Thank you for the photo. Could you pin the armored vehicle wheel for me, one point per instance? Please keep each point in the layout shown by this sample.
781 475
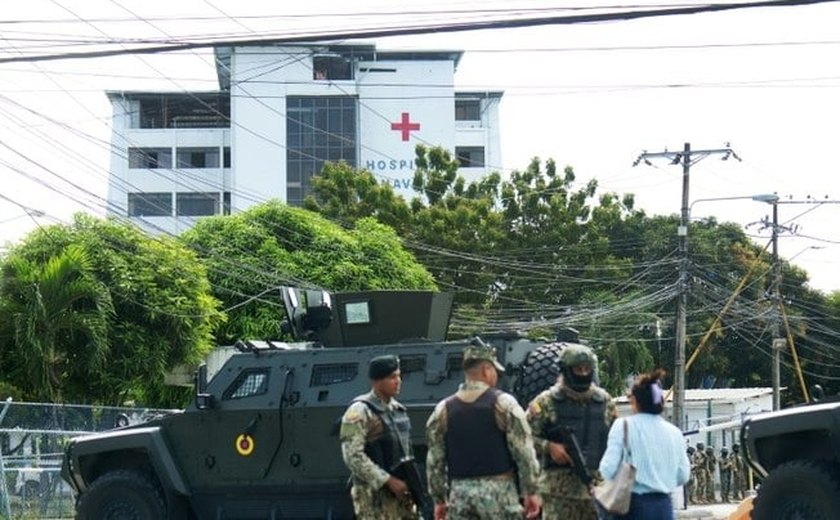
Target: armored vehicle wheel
121 495
539 371
801 489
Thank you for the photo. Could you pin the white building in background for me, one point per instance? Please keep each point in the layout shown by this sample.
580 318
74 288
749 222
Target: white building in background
279 114
713 416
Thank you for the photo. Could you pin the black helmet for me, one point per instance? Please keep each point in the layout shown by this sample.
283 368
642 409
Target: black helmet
574 356
690 450
701 446
736 447
724 451
710 450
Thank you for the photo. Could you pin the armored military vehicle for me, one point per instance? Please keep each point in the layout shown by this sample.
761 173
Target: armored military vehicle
796 452
260 439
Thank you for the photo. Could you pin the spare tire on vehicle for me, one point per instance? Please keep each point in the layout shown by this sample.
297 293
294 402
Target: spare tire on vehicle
538 372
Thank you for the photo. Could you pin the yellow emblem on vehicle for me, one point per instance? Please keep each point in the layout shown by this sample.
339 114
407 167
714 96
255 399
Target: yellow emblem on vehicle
244 444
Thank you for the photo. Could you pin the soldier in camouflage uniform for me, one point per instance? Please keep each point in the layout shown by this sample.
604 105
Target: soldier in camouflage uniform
711 468
740 475
375 435
478 439
727 464
690 498
588 410
698 464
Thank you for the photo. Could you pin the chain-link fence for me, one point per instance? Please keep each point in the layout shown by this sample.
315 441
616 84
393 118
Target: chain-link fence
32 440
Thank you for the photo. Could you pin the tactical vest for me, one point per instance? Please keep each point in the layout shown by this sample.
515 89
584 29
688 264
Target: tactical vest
395 442
586 419
475 446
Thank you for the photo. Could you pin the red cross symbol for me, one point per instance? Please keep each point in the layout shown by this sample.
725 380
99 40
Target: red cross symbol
405 126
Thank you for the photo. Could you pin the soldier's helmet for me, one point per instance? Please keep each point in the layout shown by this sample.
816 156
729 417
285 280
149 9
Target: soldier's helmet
576 356
690 450
710 450
477 349
736 447
701 446
724 451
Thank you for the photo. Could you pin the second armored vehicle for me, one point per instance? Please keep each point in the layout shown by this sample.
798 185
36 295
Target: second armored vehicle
796 452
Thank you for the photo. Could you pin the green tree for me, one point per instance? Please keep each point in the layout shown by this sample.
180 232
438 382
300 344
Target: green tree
57 315
517 251
164 312
538 250
251 254
534 240
346 195
623 354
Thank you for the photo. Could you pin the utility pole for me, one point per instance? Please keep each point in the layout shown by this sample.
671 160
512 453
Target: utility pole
682 303
687 158
779 343
777 301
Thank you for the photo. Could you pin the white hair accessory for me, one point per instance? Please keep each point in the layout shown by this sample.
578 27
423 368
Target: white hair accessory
656 392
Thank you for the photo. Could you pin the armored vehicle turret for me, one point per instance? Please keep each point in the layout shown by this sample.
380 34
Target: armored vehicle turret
260 439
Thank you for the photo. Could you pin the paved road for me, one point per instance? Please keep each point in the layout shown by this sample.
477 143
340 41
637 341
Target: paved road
707 512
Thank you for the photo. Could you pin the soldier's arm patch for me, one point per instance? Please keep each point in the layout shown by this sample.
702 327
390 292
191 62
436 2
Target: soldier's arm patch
352 416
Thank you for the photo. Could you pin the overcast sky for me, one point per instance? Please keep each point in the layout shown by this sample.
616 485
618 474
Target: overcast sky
591 96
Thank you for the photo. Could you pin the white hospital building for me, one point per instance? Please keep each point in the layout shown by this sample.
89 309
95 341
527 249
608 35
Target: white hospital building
280 112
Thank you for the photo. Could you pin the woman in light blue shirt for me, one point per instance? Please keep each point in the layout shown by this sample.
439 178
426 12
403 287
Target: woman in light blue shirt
657 449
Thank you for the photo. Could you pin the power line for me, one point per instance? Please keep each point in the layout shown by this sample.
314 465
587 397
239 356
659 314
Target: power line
403 30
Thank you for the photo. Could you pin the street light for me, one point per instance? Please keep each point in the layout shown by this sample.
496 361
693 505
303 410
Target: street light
770 198
805 249
680 333
778 342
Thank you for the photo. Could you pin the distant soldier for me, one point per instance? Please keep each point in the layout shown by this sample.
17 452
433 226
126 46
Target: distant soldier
741 474
375 435
698 464
711 469
587 410
689 486
479 444
727 465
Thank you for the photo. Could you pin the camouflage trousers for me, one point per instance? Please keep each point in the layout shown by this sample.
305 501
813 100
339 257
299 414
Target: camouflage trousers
700 485
742 484
710 487
565 497
484 498
380 504
726 491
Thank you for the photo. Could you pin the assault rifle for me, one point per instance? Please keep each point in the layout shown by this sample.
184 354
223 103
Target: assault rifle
407 470
566 436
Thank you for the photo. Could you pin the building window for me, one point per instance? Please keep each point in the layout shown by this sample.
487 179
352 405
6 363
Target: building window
150 204
226 203
211 110
467 110
149 158
318 129
191 204
331 67
226 157
198 157
470 156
